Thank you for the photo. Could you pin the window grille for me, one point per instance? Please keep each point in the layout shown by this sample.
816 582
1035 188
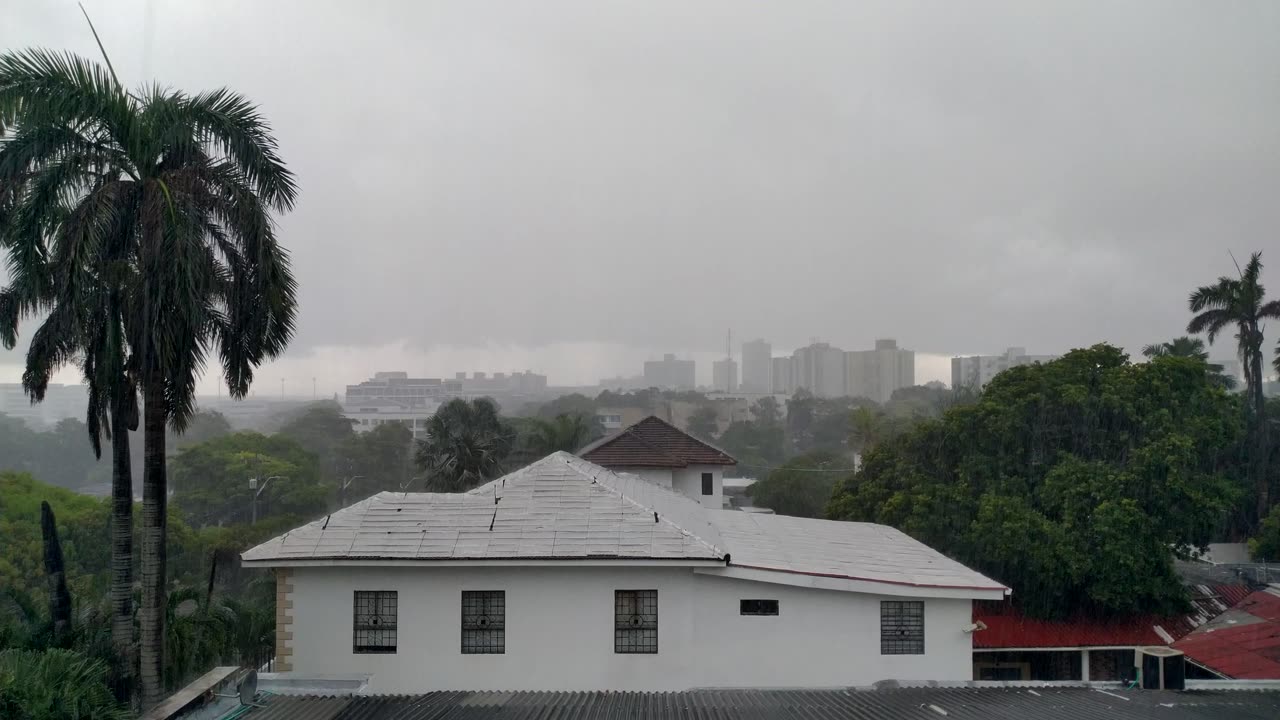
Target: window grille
484 622
635 621
708 484
374 625
901 627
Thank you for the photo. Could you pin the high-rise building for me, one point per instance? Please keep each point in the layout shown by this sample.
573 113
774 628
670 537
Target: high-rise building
757 366
976 371
670 373
724 375
875 374
780 380
818 368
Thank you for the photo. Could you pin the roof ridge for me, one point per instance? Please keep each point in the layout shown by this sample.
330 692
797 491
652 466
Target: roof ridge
660 516
691 436
630 432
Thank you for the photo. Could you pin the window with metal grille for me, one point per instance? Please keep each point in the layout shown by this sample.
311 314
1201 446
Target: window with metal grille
484 622
374 626
708 484
635 621
758 607
901 627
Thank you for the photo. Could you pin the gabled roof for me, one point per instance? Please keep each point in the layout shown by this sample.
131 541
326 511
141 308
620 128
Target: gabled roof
565 508
1244 642
1008 627
653 442
845 550
557 508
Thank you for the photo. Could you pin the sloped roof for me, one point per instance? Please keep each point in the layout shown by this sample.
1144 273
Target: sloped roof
1243 643
849 550
563 507
553 509
653 442
1008 627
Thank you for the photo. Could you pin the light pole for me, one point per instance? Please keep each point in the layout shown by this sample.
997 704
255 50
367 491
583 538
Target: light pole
342 489
253 485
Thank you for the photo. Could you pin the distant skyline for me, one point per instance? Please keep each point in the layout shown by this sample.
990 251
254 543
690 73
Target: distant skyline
574 187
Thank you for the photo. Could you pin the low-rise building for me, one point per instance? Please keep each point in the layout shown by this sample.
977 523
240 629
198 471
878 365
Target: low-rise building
664 455
568 576
670 373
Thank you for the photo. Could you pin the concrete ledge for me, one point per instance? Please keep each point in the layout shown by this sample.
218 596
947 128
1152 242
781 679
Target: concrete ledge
197 694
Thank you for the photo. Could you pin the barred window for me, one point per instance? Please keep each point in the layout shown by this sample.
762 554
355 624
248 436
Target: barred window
484 622
374 626
708 484
635 621
758 607
901 627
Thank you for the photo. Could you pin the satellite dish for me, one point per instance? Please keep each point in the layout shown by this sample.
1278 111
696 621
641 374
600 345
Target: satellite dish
249 688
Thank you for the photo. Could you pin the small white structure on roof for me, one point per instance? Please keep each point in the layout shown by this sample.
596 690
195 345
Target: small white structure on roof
568 576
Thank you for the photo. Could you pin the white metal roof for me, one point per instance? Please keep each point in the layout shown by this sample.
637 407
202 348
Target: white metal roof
560 507
827 548
565 508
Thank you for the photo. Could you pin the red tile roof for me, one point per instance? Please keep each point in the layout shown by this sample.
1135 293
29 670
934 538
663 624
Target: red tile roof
1008 627
653 442
1246 651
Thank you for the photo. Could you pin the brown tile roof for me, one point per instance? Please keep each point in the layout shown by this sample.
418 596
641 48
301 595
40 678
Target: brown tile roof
653 442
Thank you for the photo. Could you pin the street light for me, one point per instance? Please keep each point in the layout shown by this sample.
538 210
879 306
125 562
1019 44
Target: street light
253 485
342 489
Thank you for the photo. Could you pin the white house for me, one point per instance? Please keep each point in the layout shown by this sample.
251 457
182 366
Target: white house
664 455
567 576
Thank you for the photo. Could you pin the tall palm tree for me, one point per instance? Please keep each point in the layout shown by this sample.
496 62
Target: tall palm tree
1194 348
179 189
1241 302
466 444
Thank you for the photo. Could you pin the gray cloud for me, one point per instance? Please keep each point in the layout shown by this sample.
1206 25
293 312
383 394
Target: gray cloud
963 176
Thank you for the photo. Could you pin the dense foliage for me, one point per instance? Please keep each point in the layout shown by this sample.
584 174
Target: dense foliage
211 480
55 685
467 443
1070 481
801 487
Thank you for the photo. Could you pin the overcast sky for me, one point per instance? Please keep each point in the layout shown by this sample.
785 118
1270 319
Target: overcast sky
572 187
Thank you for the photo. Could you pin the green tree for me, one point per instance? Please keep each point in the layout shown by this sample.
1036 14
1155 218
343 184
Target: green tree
55 568
703 423
1265 547
1241 303
381 459
1075 482
565 433
802 487
322 430
571 404
467 443
211 480
55 685
756 445
204 425
1189 347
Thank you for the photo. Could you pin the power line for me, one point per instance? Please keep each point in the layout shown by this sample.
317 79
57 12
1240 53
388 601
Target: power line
795 469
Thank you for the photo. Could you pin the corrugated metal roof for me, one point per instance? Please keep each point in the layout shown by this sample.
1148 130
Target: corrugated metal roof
1244 643
1008 627
653 442
560 507
858 551
1048 703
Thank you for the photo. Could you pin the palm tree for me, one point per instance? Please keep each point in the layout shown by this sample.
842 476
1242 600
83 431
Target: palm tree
1241 302
176 191
1194 348
564 433
466 444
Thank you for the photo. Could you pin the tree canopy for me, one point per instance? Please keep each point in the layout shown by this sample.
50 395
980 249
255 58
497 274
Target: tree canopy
801 487
1074 482
467 443
211 480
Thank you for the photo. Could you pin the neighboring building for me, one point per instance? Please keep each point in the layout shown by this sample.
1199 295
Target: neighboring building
660 453
1242 643
781 380
977 370
818 368
501 384
398 387
613 419
757 367
60 403
368 414
670 373
724 375
1011 646
621 383
875 374
567 576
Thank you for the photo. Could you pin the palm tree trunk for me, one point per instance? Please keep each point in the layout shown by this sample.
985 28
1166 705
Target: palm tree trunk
1261 480
55 569
122 550
154 490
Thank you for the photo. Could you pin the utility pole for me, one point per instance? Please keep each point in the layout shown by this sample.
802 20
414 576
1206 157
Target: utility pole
253 485
281 388
313 388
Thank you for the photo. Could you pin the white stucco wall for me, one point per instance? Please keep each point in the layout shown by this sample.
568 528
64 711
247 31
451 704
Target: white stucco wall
560 632
688 481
